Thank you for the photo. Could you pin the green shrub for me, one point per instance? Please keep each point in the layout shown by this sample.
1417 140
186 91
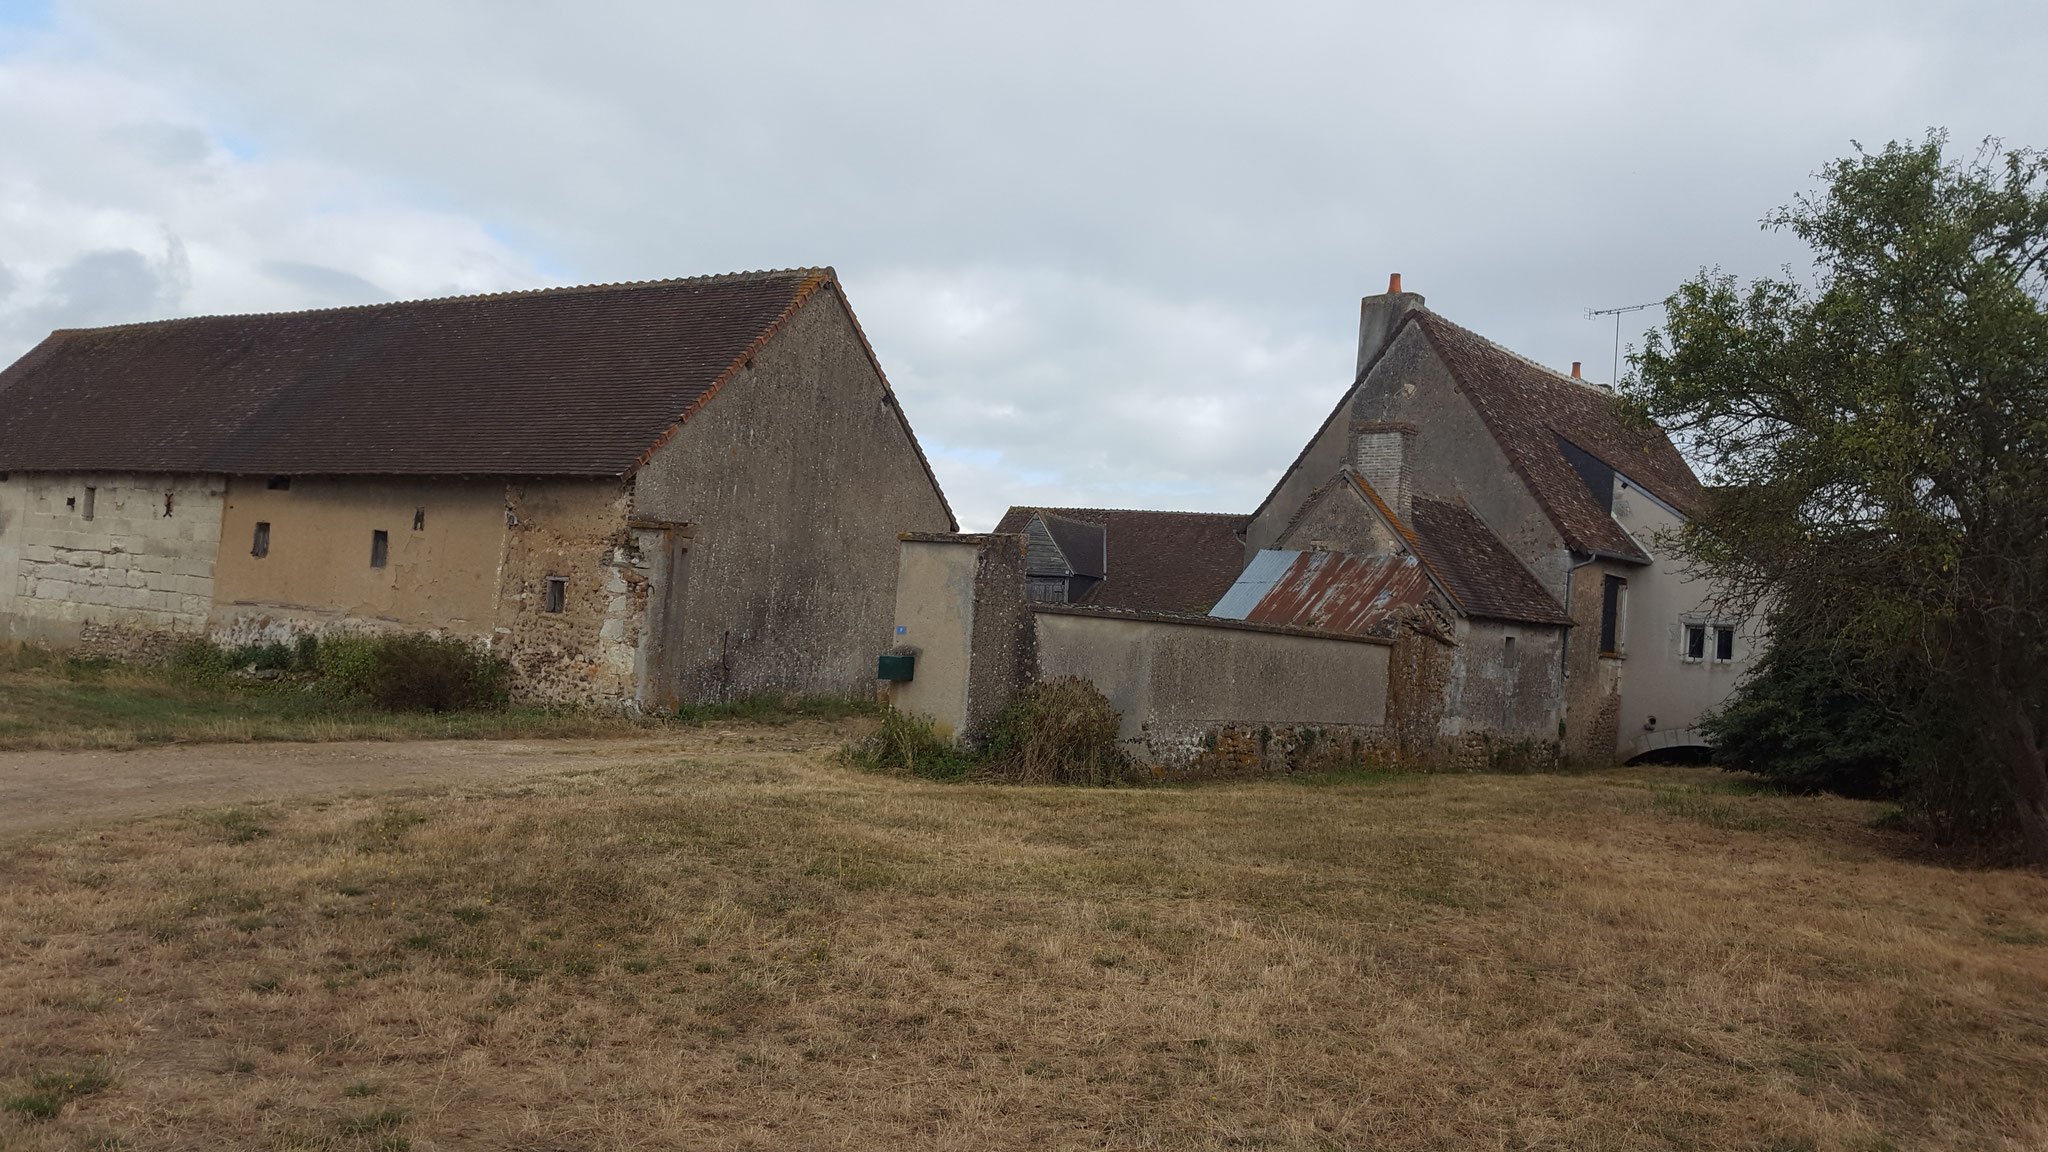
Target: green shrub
412 673
905 743
1797 721
1057 732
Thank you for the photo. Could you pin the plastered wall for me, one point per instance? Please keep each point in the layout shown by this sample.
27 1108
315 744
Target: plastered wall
796 481
142 568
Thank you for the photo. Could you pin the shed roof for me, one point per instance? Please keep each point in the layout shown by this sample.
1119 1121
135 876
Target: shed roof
1328 591
1156 561
583 381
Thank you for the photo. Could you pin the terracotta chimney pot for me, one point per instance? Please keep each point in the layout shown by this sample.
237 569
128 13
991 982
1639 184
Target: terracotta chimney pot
1394 284
1575 371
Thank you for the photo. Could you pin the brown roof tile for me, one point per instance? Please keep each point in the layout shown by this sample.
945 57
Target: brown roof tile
571 381
1485 578
1157 561
1528 407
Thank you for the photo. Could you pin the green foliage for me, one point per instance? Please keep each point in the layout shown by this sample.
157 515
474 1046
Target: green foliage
1058 732
1799 722
1878 438
412 673
905 743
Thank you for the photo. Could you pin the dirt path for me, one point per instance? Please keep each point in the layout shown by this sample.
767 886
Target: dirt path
50 789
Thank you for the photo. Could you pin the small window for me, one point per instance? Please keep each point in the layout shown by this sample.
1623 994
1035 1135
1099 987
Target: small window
558 593
1613 590
260 547
419 518
1507 650
1695 641
380 548
168 497
280 483
90 494
1724 642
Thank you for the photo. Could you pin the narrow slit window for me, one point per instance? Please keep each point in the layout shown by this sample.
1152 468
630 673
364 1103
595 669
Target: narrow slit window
90 495
1507 649
260 546
557 594
1612 590
419 518
1724 643
168 497
280 483
380 548
1695 641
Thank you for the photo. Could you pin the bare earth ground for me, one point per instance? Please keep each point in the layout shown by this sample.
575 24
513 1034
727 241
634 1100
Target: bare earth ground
743 944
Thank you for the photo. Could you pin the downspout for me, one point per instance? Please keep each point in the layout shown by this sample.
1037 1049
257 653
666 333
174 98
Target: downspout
1564 666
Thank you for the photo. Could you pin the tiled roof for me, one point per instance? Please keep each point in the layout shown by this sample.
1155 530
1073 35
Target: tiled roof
557 382
1485 578
1157 561
1083 543
1528 407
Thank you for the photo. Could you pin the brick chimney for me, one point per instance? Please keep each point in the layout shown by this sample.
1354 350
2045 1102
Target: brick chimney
1377 316
1382 453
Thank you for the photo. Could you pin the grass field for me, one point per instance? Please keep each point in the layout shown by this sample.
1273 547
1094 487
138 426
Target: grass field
49 702
760 948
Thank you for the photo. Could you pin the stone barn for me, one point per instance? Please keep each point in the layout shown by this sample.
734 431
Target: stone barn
638 494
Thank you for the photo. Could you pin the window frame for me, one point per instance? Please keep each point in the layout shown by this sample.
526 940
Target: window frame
555 595
1613 614
1691 652
1724 637
380 548
259 542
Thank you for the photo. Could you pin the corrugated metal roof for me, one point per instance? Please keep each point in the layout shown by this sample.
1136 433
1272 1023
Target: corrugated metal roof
571 382
1326 591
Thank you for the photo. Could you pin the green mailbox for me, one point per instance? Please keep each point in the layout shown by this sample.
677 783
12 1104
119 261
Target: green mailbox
898 666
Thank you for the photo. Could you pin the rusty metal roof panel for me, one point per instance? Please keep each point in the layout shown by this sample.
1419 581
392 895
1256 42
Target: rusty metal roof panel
1331 591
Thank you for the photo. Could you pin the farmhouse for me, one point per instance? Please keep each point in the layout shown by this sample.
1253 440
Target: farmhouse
639 494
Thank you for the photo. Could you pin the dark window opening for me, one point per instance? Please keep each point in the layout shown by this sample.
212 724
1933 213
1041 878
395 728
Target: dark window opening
168 496
558 593
380 548
71 501
90 494
1047 589
260 547
1724 643
1611 591
1507 650
419 518
1695 641
280 483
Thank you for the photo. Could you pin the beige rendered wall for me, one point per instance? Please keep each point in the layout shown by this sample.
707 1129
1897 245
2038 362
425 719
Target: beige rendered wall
136 566
935 615
1176 682
1663 694
795 481
317 573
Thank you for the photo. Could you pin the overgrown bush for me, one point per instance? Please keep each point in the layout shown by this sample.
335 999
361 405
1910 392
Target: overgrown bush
1799 723
412 673
905 743
1057 732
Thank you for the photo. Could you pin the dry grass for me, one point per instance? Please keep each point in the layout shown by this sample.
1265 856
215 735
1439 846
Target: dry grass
763 949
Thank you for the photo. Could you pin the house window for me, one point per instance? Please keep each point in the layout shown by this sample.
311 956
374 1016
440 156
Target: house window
280 483
558 593
1695 641
167 504
1507 651
90 493
1724 642
1613 594
380 548
260 546
419 518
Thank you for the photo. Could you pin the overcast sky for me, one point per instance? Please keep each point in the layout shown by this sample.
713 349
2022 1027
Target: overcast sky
1109 254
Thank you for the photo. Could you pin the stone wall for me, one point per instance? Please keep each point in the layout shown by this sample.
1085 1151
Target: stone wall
100 556
575 532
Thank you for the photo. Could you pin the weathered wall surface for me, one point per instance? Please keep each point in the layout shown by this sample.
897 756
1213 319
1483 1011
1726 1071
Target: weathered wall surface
1338 519
1181 684
1592 689
1664 694
575 531
797 479
935 605
136 575
317 574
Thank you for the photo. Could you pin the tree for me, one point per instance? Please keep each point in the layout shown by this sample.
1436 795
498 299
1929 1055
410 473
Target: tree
1877 434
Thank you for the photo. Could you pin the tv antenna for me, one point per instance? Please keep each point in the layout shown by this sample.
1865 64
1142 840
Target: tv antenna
1617 313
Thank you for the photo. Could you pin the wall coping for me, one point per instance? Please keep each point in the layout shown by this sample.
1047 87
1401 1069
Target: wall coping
978 539
1192 621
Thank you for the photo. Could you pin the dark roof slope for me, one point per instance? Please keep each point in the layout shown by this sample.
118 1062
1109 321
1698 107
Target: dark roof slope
1084 544
1529 407
1483 575
1157 561
558 382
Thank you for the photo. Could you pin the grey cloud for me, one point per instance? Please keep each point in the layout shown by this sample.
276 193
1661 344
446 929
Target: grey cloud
109 287
323 287
167 145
